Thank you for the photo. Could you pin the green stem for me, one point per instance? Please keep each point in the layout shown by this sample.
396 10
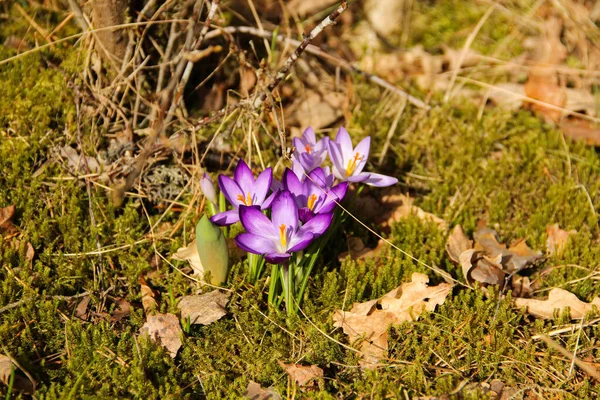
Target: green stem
273 285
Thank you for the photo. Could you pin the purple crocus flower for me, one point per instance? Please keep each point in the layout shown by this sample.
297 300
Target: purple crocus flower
348 162
244 190
310 153
316 195
278 237
208 188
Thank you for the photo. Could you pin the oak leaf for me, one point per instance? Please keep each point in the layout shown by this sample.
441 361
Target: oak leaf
558 299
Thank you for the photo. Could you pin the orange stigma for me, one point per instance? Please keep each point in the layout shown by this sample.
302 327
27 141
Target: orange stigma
282 236
308 148
353 163
311 201
245 201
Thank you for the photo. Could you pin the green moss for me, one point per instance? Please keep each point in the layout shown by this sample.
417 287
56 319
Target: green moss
509 169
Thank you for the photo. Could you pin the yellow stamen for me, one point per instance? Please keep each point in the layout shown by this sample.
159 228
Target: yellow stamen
245 201
308 148
353 163
311 201
282 236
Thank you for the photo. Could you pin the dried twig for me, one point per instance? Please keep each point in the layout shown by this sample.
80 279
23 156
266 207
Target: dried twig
312 49
285 69
587 368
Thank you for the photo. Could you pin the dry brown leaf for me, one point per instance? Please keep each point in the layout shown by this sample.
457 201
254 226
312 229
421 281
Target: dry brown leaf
457 243
204 309
30 253
557 239
580 129
6 215
358 251
77 163
122 310
148 302
81 311
477 267
371 320
303 375
256 392
558 299
316 110
542 83
164 329
516 258
401 206
190 254
20 383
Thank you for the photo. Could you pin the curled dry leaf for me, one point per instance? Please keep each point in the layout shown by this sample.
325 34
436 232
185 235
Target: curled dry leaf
516 258
358 251
558 299
81 311
76 162
399 206
148 302
478 268
303 375
190 254
370 320
6 216
164 329
457 243
20 383
557 239
256 392
204 309
122 310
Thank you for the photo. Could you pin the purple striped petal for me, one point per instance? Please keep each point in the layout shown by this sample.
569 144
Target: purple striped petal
285 212
226 218
380 180
299 146
345 143
293 185
243 176
277 258
305 215
254 243
309 135
301 241
317 225
255 222
269 200
262 185
362 149
335 153
231 190
363 176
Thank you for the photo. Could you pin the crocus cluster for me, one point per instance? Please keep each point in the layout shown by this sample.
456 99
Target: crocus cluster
281 218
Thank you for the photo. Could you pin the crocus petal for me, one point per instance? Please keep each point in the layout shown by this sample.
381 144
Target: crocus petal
262 185
226 218
285 212
298 169
256 223
335 153
343 139
292 183
277 258
317 225
301 241
340 190
269 200
318 178
243 176
254 243
299 146
305 214
380 180
208 188
309 161
363 176
309 135
362 149
276 185
231 190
